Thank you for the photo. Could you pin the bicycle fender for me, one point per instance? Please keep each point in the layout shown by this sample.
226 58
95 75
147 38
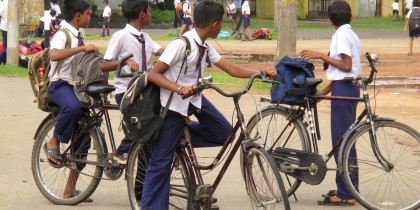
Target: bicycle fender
350 134
48 117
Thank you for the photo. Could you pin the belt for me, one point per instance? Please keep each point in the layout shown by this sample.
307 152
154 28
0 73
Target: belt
343 81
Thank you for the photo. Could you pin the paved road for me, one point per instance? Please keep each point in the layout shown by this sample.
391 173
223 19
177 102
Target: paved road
20 118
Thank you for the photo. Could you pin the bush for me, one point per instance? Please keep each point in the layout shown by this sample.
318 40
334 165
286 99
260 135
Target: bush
165 16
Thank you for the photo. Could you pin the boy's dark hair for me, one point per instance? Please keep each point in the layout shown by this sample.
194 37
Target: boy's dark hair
339 12
52 13
105 1
415 3
54 1
72 7
132 8
206 12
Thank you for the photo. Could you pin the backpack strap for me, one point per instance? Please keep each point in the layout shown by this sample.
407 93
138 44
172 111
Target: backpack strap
184 61
66 46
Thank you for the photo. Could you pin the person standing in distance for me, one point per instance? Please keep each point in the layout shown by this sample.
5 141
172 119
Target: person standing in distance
107 18
246 20
3 27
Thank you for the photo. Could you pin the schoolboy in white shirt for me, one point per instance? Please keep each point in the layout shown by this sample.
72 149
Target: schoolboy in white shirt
212 128
231 10
344 61
186 19
77 13
246 20
124 42
106 18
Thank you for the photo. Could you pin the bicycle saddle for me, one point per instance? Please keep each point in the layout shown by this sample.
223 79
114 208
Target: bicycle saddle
309 82
96 88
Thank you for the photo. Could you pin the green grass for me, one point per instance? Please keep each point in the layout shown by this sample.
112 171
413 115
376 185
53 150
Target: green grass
11 71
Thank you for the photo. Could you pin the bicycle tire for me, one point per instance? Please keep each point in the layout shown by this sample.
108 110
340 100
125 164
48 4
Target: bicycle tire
397 188
181 182
268 125
264 183
51 181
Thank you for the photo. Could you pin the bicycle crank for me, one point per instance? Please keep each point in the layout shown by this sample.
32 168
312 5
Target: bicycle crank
306 166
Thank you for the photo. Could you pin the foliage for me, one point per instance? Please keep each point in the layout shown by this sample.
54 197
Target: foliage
165 16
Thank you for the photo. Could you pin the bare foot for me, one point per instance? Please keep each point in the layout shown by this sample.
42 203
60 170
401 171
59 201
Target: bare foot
336 199
410 54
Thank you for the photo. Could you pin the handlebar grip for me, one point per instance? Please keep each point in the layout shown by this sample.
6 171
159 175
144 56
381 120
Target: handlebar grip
120 65
369 58
195 91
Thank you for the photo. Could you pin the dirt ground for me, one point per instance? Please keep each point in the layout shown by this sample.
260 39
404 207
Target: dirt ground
393 61
19 119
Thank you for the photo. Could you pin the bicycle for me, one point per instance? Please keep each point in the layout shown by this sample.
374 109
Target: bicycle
88 157
387 151
187 188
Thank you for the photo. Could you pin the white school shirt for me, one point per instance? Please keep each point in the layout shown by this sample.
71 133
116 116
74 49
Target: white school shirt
173 56
59 42
107 12
3 14
245 8
122 43
186 6
176 2
232 8
408 4
395 6
345 41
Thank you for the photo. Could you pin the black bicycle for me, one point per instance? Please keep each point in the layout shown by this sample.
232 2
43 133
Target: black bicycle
388 152
85 160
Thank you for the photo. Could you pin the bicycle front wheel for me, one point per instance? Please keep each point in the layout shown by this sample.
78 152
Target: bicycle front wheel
263 180
367 174
78 178
181 183
273 128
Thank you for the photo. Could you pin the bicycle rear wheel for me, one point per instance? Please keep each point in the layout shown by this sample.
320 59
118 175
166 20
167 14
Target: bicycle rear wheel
274 130
397 187
52 181
263 180
181 183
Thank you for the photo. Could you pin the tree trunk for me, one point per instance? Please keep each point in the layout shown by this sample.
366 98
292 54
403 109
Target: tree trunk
12 34
286 14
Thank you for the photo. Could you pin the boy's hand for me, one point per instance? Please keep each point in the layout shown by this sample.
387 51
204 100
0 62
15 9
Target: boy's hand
90 48
186 90
134 67
271 73
309 54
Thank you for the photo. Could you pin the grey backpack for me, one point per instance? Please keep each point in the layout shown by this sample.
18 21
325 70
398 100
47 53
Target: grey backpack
414 20
86 70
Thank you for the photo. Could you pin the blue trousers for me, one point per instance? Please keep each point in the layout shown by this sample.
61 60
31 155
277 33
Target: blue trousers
343 114
4 51
177 20
212 129
61 93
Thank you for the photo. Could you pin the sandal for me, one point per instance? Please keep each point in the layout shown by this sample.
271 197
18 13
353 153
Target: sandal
330 193
342 202
53 153
77 192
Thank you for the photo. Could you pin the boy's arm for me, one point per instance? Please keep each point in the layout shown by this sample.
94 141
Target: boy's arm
61 54
406 26
156 77
112 65
241 72
160 51
344 65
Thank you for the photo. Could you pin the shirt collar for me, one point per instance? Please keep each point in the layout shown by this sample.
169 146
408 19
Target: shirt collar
197 38
133 30
70 28
345 26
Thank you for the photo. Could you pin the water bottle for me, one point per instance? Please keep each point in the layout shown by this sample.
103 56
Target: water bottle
41 75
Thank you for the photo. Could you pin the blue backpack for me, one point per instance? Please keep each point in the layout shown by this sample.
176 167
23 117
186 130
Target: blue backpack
291 74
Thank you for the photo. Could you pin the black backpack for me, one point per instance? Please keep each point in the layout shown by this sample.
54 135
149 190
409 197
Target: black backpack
414 20
141 108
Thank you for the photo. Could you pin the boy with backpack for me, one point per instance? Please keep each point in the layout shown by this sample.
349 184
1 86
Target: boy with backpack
106 18
212 128
130 40
77 14
342 61
186 17
413 26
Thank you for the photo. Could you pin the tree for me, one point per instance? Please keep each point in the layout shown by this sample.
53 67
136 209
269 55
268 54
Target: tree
285 12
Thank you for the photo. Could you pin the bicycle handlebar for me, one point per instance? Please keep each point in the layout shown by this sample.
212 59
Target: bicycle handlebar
372 66
208 85
121 64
